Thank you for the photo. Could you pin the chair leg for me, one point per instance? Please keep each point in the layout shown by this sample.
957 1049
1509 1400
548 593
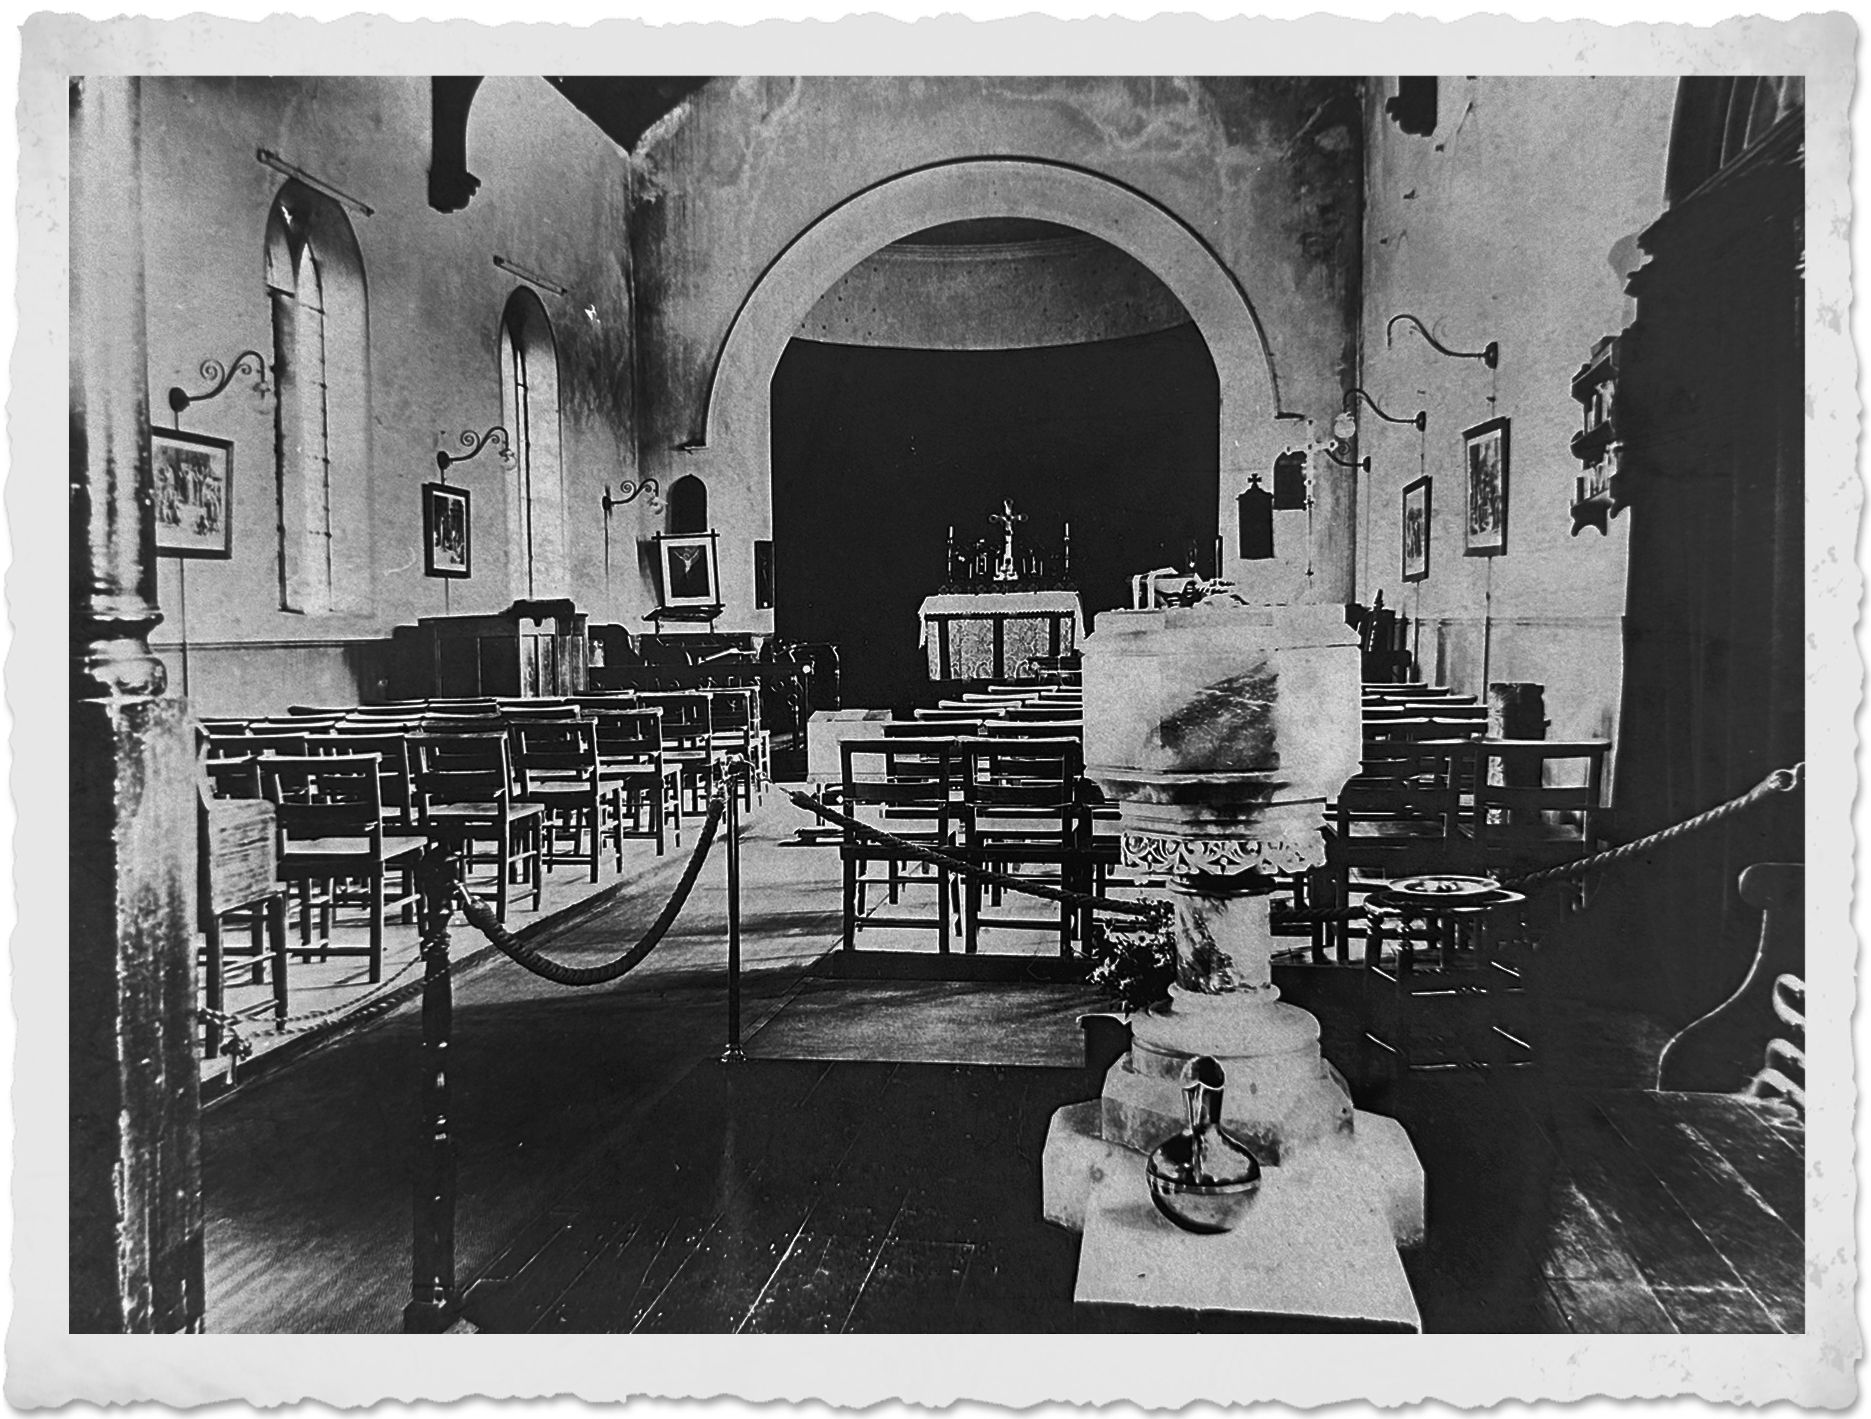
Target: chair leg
503 870
849 938
539 881
216 990
376 927
942 900
276 937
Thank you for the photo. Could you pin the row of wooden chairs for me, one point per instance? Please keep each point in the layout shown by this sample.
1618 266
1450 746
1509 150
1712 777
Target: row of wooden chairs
1017 806
1463 807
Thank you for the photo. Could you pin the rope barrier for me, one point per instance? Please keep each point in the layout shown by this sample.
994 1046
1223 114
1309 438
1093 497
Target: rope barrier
489 925
1151 910
1779 781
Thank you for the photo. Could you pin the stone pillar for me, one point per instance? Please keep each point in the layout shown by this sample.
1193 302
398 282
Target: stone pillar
136 1221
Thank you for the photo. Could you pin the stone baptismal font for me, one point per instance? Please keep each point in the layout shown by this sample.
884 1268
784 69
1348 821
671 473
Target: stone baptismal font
1221 731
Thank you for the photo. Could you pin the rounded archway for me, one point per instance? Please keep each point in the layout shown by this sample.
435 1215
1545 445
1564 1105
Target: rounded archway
739 408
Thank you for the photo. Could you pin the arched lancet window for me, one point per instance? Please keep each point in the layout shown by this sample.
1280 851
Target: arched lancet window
529 366
688 504
322 418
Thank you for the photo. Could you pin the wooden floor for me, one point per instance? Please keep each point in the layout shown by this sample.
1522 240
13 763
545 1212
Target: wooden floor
615 1177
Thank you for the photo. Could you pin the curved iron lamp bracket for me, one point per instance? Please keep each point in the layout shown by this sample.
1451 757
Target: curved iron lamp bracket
1489 356
246 362
628 492
1353 395
474 443
1364 463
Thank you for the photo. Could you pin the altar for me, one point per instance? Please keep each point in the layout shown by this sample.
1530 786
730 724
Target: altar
996 635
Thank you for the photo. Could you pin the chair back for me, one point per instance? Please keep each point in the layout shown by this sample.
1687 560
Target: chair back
1555 785
325 796
460 768
231 776
922 792
392 751
1031 775
399 709
628 736
688 716
248 745
554 753
1032 728
490 723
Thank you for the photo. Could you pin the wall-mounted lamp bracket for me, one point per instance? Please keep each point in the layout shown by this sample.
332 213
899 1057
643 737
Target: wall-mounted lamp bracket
1363 463
1353 395
474 443
628 492
246 362
1489 356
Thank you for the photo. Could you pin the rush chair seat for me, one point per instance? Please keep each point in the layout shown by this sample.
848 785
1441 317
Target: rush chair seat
630 756
237 874
331 829
918 802
1021 810
557 761
466 794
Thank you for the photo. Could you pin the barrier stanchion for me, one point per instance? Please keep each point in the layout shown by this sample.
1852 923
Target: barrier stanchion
432 1298
734 1054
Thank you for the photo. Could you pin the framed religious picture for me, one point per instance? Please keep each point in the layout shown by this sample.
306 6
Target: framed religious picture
689 572
1487 489
1415 524
194 494
447 531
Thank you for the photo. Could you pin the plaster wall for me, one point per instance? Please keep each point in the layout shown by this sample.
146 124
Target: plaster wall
1514 221
1019 296
1260 176
553 198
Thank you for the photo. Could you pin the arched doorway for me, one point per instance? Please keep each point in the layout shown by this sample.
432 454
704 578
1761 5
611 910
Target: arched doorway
735 453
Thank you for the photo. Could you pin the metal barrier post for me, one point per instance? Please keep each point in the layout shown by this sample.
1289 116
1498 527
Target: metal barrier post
432 1299
734 1054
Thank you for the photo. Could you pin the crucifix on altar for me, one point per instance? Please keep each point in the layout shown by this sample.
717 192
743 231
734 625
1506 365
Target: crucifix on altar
1004 568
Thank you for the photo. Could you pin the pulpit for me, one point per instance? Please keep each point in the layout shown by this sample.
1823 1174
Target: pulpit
532 648
996 635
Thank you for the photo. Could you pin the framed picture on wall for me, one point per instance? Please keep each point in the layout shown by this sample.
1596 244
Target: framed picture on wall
1487 488
690 576
194 494
1415 525
447 531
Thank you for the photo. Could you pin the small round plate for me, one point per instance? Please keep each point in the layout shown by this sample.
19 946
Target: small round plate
1443 888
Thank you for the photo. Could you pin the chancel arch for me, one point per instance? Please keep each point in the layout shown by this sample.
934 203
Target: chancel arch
738 414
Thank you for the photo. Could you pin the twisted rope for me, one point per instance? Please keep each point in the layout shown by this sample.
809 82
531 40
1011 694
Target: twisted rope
484 921
966 868
1779 781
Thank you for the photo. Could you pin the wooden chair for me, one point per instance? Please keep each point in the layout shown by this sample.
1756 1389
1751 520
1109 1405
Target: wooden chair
236 867
392 751
557 761
331 829
688 738
630 756
1520 822
466 794
248 745
919 806
734 717
1020 810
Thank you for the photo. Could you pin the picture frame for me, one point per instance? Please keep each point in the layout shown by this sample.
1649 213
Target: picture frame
193 476
447 531
691 574
1485 516
1414 525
